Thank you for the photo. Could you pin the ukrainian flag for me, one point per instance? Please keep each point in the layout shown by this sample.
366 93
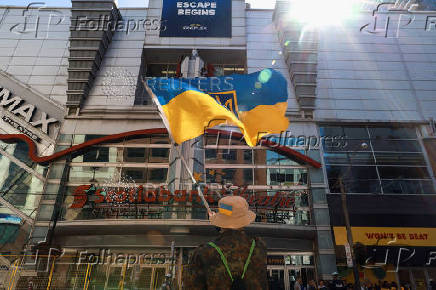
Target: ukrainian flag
256 103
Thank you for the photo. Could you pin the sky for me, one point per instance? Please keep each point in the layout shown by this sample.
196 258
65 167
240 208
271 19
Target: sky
123 3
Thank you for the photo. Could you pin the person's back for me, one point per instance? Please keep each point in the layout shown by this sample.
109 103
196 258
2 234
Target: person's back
206 269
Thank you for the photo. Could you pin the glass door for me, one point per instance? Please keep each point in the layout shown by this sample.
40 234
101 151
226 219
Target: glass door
276 278
305 273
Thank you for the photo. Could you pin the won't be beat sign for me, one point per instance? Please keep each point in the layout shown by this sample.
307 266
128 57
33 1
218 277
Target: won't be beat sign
196 18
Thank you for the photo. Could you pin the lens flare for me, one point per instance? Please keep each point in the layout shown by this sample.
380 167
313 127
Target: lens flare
322 12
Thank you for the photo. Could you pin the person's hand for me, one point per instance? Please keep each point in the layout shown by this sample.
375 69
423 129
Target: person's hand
211 214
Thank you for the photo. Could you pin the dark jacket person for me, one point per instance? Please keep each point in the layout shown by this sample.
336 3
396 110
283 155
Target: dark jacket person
242 261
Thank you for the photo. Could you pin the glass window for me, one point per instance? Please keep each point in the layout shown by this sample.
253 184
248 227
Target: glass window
332 131
159 154
392 133
388 158
136 174
355 179
349 158
236 176
396 145
402 186
355 132
96 154
19 150
18 186
333 145
92 174
210 154
134 155
226 156
384 159
281 176
157 175
271 158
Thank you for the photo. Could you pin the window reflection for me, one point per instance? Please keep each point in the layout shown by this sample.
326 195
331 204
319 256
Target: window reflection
376 160
86 174
226 156
236 176
298 217
286 176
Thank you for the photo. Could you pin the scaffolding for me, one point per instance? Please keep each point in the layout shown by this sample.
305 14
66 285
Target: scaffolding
57 274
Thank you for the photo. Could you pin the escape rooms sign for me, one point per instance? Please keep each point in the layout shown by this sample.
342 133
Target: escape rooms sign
196 18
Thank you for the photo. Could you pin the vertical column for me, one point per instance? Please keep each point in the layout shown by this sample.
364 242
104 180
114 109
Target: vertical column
300 48
326 257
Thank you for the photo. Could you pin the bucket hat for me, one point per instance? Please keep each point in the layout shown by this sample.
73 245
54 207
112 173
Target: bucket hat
233 213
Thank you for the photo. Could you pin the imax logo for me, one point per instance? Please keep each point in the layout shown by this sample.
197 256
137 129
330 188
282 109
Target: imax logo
18 107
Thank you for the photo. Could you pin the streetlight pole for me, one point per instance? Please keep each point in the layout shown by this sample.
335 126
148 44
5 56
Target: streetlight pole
349 234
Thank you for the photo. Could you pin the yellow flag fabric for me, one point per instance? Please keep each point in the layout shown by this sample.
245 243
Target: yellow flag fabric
256 103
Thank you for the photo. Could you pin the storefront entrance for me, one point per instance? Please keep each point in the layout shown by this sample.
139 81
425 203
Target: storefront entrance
284 277
284 269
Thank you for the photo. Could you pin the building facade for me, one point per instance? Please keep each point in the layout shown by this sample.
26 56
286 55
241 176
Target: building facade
102 199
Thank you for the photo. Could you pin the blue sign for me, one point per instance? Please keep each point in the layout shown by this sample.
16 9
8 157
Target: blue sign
196 18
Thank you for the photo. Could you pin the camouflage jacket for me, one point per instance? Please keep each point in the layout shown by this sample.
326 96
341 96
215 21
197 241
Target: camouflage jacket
206 271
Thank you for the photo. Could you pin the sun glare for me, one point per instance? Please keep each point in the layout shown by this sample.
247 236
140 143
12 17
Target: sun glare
322 12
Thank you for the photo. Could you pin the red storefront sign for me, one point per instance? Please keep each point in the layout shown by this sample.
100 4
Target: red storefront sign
164 197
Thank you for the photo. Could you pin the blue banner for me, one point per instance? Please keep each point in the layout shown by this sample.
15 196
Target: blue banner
196 18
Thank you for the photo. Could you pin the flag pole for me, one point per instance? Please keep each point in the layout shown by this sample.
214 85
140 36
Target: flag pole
175 145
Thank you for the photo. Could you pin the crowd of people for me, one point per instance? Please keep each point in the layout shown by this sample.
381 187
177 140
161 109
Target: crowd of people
340 284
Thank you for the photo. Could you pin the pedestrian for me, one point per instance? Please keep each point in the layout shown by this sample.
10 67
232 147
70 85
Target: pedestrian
312 285
378 285
298 284
385 286
322 285
337 284
233 260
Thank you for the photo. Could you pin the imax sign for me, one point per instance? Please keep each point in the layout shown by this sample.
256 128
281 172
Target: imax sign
17 106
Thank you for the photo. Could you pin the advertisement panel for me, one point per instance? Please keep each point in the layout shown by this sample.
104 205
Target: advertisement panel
196 18
386 236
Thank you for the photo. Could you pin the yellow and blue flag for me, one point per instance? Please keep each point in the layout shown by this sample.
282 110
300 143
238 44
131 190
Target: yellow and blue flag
225 209
256 103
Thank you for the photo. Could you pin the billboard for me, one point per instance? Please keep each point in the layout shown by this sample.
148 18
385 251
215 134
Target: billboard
196 18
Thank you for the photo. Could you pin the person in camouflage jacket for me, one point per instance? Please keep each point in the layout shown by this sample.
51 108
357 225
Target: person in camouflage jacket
206 269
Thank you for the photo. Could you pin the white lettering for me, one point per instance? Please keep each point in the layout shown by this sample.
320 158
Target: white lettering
25 111
432 256
6 101
43 122
194 5
180 12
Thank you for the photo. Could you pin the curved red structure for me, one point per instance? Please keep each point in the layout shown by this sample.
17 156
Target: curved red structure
280 149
